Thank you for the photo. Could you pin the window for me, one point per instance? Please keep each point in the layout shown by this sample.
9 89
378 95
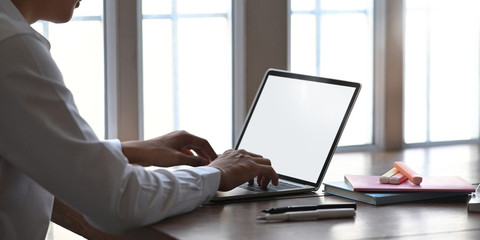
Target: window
441 75
187 69
77 47
334 39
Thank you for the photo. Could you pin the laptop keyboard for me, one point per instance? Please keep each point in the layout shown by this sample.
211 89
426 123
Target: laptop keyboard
270 188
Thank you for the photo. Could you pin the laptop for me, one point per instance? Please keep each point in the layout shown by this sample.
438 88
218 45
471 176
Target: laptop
296 122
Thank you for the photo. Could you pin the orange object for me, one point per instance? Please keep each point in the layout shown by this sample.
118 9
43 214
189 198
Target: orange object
408 172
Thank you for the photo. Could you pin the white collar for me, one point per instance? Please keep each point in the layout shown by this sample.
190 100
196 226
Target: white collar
10 10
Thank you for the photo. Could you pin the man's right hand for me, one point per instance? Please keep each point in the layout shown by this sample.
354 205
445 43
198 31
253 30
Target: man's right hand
239 166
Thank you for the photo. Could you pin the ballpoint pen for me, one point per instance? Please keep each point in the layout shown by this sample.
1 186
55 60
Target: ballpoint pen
309 207
310 215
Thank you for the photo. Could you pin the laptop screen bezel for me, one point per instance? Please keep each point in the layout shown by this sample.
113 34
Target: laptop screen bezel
296 76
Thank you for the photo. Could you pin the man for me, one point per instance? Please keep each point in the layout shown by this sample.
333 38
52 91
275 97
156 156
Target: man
47 150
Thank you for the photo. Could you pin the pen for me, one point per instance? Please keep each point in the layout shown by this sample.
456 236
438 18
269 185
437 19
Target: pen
309 207
310 215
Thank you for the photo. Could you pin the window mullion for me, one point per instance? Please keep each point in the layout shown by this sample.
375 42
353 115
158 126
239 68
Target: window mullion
239 66
176 105
123 69
389 25
110 42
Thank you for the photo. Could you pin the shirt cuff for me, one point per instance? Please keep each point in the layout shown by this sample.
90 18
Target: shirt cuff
114 142
210 178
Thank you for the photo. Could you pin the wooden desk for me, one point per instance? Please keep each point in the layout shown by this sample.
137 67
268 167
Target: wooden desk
435 219
426 220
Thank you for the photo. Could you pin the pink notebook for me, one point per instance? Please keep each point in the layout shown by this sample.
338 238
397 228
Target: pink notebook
362 183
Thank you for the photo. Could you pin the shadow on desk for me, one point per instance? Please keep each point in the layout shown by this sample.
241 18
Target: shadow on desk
68 218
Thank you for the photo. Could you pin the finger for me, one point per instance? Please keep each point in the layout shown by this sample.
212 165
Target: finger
187 151
194 161
206 155
267 174
262 161
243 151
202 147
265 181
190 153
262 181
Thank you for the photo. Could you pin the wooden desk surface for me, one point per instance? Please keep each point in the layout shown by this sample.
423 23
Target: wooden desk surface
434 219
427 220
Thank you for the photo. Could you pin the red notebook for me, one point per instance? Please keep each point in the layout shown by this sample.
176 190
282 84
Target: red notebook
362 183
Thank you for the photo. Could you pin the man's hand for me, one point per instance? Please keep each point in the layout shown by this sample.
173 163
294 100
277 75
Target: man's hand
239 166
170 150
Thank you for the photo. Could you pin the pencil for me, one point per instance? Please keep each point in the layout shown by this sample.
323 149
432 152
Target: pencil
408 172
386 177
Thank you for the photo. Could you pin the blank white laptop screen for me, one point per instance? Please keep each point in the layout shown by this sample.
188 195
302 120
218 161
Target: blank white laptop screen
294 124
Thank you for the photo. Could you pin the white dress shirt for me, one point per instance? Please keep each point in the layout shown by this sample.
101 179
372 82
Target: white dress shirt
47 150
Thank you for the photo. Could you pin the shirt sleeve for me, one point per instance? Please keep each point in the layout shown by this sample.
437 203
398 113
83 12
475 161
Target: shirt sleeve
43 135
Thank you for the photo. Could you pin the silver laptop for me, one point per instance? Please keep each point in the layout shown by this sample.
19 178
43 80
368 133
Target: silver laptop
295 121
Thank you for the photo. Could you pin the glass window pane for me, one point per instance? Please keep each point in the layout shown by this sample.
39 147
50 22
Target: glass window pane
336 41
204 6
303 44
442 71
302 5
156 7
344 5
157 77
415 85
90 9
204 53
188 74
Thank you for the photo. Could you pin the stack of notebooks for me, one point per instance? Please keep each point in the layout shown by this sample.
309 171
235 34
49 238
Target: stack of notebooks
368 189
